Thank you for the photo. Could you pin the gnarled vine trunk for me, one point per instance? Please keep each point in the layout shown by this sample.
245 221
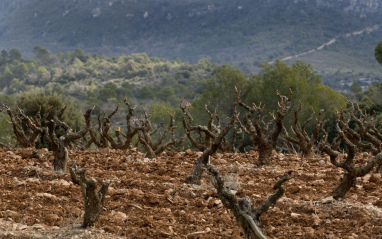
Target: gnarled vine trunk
93 200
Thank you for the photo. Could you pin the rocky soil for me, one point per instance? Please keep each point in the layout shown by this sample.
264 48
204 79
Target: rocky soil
148 199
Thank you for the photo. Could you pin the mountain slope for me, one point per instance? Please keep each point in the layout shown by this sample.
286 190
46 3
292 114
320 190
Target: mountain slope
245 32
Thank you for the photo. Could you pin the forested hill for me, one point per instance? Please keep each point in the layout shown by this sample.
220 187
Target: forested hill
336 37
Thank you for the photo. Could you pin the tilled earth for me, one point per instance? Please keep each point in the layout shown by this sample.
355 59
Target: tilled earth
148 199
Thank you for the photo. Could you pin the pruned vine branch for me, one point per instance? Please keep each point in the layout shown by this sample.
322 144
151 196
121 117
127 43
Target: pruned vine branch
247 216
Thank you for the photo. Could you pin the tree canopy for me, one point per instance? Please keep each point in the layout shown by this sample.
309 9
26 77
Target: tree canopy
378 52
299 77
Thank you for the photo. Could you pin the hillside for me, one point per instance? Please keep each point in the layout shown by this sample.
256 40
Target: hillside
338 37
148 199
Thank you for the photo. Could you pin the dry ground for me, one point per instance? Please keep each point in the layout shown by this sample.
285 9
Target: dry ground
148 198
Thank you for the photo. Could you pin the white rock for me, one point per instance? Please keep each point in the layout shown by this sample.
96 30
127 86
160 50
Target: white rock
22 227
60 182
46 195
217 202
64 182
33 180
327 200
295 215
366 178
37 227
119 215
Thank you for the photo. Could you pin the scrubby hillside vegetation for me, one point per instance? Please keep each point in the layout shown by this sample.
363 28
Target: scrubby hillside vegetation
96 79
156 84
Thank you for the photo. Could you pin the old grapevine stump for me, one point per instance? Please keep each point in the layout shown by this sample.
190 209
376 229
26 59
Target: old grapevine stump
246 215
93 200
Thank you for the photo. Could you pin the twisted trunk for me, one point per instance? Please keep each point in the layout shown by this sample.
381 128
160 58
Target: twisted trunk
61 157
93 200
197 171
347 182
265 152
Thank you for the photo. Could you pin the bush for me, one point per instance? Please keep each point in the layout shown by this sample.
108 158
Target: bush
30 103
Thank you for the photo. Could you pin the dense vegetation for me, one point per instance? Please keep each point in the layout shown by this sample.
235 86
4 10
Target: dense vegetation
157 85
241 31
94 79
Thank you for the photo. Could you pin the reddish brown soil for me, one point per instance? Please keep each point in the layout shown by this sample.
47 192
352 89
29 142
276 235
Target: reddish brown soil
148 198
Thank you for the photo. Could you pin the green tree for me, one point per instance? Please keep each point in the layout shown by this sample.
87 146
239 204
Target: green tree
165 93
20 71
110 85
355 88
146 93
299 77
15 54
378 52
262 88
369 105
355 92
160 111
31 102
304 83
6 133
220 91
4 57
123 92
41 54
372 99
6 76
16 86
41 70
106 93
79 53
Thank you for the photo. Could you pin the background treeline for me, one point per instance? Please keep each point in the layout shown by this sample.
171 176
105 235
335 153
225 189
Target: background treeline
95 79
159 85
244 32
